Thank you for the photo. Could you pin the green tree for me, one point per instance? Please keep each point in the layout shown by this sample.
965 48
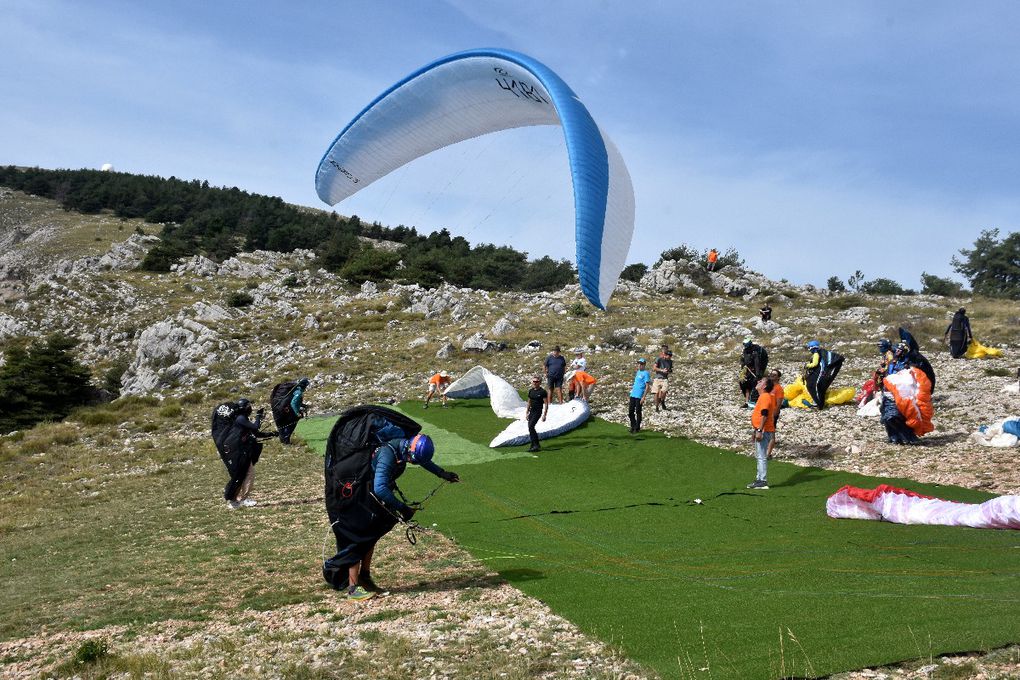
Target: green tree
882 286
370 264
41 381
992 266
936 285
835 284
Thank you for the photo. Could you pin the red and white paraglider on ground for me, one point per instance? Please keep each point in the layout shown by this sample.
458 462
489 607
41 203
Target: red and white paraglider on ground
902 506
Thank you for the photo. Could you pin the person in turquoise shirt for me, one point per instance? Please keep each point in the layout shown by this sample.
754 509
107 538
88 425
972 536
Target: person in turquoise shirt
642 381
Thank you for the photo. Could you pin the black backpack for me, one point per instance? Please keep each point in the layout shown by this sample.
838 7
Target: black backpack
222 422
354 515
279 403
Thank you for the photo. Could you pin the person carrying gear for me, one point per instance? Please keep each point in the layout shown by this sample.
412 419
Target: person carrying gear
914 356
240 451
765 312
437 385
287 403
763 422
713 257
820 370
388 462
958 333
754 361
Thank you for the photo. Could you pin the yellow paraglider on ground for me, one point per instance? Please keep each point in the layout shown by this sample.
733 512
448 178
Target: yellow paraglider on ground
797 395
975 350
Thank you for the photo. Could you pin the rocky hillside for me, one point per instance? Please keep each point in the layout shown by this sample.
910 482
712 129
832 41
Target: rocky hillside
244 324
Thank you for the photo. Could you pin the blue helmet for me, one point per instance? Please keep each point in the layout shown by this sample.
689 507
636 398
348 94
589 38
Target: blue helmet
421 449
884 346
814 344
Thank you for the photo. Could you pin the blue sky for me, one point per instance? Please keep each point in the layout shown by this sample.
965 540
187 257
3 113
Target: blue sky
816 138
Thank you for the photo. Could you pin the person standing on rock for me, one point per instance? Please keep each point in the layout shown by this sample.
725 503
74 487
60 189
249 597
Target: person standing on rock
958 333
763 423
663 369
437 385
765 312
555 368
713 257
754 359
537 409
642 383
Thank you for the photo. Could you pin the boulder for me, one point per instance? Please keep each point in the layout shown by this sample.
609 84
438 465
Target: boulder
168 351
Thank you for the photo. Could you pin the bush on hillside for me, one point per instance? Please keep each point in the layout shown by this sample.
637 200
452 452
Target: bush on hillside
41 381
936 285
239 298
729 258
634 272
835 284
882 286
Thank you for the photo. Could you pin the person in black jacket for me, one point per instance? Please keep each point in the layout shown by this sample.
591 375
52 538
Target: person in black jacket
241 450
958 333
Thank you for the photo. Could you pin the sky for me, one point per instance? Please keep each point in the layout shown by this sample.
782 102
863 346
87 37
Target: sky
816 138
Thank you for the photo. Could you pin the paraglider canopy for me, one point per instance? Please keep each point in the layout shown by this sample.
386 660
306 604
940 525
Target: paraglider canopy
476 92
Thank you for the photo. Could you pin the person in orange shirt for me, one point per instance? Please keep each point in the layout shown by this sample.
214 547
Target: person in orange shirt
582 385
763 420
437 385
713 257
779 394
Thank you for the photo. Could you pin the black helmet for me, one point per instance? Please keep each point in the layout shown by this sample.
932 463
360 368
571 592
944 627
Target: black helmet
244 406
303 383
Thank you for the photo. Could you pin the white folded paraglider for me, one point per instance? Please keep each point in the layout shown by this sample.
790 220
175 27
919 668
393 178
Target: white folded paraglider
1001 435
891 504
480 382
476 92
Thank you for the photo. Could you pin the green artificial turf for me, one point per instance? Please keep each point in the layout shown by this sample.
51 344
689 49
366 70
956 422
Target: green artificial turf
607 528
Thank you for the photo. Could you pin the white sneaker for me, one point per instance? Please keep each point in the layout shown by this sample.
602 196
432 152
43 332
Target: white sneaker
233 505
249 502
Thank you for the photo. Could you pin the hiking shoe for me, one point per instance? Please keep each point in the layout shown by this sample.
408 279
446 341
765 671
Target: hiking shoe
758 484
425 406
366 582
249 503
357 593
233 505
533 449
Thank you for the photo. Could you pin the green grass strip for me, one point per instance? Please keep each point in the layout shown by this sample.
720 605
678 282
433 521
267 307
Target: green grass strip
605 527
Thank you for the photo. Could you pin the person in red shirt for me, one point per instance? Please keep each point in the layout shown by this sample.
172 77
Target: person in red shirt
763 420
437 385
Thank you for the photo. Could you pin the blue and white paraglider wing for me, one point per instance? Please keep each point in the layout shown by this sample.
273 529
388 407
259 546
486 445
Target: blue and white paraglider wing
474 93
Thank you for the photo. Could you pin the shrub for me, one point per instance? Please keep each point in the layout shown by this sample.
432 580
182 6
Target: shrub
91 651
170 411
634 272
936 285
882 286
835 284
239 298
993 266
577 309
113 375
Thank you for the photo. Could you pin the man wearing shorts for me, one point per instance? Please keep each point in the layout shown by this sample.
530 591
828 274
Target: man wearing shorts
437 385
663 369
555 368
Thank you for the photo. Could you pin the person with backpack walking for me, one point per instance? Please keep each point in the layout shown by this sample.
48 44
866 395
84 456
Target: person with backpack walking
958 333
237 440
754 359
820 371
287 403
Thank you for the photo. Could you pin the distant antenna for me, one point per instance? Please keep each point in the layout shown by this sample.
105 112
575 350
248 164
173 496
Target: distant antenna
107 167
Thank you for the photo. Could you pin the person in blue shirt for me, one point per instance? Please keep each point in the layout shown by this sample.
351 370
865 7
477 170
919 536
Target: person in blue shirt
389 461
555 369
642 381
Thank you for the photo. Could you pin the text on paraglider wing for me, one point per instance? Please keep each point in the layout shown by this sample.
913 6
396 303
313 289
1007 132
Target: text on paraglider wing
518 88
343 171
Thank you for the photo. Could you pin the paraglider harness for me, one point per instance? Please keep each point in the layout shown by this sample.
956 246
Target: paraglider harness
356 515
238 447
